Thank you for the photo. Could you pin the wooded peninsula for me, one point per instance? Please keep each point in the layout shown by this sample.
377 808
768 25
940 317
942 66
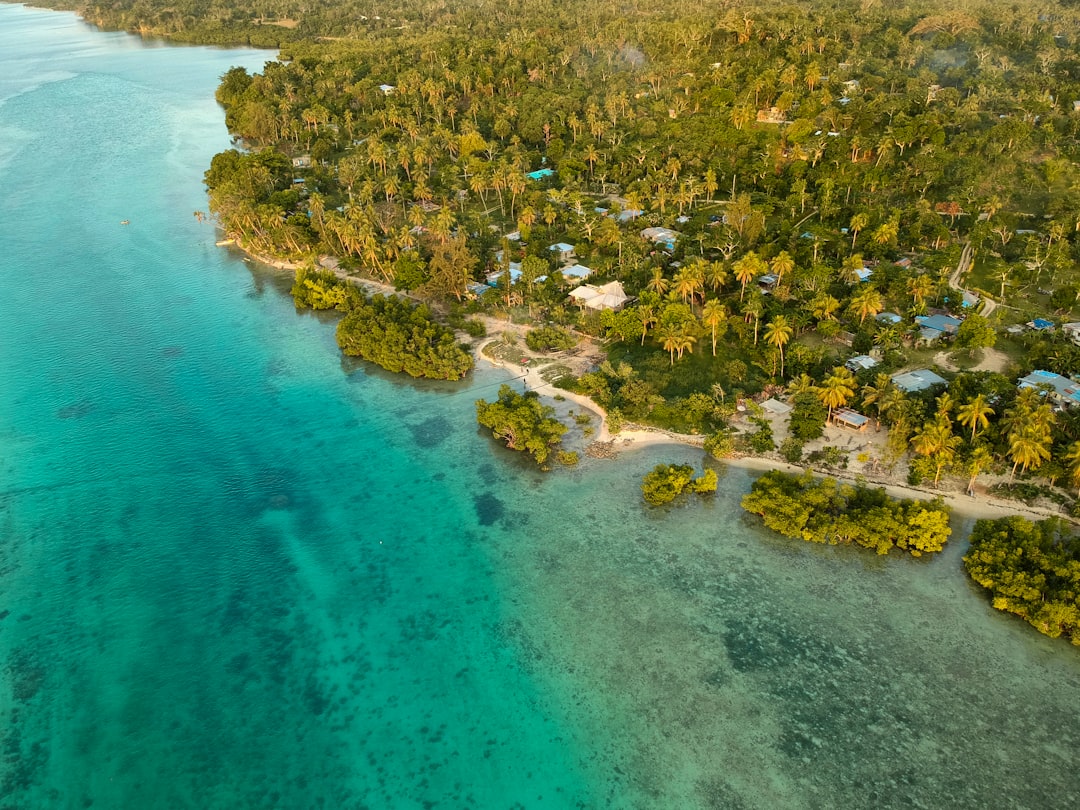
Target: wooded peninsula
844 235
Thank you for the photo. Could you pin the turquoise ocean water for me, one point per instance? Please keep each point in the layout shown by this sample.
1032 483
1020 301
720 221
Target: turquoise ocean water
239 572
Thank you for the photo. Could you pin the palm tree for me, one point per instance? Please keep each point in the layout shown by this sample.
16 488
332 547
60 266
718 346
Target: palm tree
715 275
886 232
713 314
1029 446
1072 456
893 401
944 404
670 336
686 284
975 415
824 307
858 222
685 342
778 333
781 264
849 270
980 459
658 283
919 288
746 269
837 389
935 439
647 317
753 309
873 395
866 302
803 384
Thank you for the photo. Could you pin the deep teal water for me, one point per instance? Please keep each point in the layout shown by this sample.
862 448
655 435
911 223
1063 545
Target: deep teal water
239 572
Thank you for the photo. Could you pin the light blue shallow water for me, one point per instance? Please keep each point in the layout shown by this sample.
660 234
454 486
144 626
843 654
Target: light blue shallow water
236 571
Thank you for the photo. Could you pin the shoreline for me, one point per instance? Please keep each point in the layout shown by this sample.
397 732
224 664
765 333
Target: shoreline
959 504
637 437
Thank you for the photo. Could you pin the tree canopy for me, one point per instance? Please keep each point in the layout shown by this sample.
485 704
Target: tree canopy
1031 569
822 510
523 422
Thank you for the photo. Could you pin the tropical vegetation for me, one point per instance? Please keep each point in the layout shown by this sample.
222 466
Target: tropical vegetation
822 510
1031 569
523 422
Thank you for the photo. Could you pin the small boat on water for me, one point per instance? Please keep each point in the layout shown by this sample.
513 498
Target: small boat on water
125 222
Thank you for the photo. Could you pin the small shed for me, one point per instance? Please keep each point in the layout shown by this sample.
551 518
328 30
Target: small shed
862 362
852 420
775 406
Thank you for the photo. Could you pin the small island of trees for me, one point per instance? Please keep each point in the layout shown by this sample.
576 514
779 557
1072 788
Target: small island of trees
667 482
1031 569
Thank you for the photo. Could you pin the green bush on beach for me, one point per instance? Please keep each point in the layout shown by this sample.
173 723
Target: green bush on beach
402 337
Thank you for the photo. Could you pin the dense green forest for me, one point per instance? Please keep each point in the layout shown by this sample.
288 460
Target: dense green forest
822 169
1032 570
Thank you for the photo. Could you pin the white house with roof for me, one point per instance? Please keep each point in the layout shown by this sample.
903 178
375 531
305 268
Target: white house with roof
577 271
1072 331
608 296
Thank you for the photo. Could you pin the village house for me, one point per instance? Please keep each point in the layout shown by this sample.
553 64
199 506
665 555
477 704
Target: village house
577 271
661 237
564 253
609 296
1062 390
852 420
935 327
862 362
920 379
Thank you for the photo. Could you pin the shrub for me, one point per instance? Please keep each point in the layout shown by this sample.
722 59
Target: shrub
667 481
550 339
791 449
